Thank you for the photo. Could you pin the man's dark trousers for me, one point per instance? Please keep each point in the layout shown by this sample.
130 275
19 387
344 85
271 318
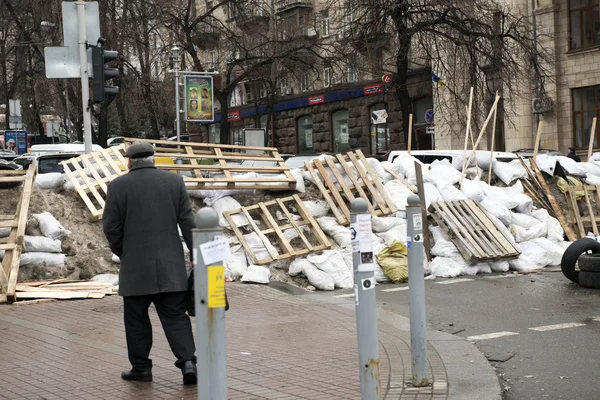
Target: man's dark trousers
171 308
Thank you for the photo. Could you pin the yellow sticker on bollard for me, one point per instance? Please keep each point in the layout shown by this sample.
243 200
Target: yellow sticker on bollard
216 287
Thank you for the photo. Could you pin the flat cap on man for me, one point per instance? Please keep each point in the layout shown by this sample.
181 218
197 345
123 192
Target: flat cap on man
572 148
139 150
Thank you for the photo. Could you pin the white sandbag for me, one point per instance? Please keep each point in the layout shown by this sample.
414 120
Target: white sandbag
595 157
532 257
500 195
47 259
496 209
386 165
472 190
397 232
524 221
41 244
318 278
499 266
236 262
481 159
407 167
339 233
53 180
116 259
524 235
297 265
517 193
228 203
442 246
4 232
297 174
592 179
553 251
484 268
556 232
503 229
445 267
507 173
449 192
258 247
398 193
333 263
375 164
546 163
384 224
107 278
317 208
432 194
591 168
257 274
441 172
572 166
50 227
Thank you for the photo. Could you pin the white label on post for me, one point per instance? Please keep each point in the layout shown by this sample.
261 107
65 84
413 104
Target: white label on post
417 222
355 294
215 251
365 239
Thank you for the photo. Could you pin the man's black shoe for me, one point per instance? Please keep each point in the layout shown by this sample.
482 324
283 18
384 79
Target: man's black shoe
140 376
189 373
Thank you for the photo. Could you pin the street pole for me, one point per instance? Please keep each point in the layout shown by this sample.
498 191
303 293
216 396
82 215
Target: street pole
175 51
85 83
416 291
365 303
209 299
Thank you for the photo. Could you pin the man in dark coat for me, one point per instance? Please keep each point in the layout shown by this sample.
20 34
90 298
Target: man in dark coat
143 209
572 155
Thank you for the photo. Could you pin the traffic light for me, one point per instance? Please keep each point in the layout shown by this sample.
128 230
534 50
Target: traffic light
101 73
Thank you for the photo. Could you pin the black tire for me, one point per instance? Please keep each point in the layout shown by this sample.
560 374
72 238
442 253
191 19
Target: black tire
589 262
570 256
589 279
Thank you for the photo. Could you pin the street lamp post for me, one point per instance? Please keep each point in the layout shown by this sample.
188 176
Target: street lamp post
175 54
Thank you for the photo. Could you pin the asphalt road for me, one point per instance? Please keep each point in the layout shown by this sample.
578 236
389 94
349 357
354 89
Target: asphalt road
546 328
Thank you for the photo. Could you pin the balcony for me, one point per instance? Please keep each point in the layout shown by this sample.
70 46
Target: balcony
286 5
206 36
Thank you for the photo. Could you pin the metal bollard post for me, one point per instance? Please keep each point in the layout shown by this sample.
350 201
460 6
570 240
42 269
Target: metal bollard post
366 307
209 287
416 291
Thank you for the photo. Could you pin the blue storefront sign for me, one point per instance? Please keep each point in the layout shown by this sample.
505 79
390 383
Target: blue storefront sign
16 141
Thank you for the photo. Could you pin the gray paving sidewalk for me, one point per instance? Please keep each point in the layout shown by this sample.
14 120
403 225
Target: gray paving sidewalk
279 346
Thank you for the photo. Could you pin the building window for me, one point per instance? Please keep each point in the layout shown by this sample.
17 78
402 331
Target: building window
341 136
351 72
284 87
263 91
304 86
584 22
264 124
304 130
237 136
214 133
380 132
325 23
327 77
585 107
213 60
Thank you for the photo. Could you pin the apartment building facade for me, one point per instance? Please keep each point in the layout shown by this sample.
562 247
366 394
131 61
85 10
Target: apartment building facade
331 105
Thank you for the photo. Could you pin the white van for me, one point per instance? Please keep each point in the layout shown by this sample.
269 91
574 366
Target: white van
454 156
43 149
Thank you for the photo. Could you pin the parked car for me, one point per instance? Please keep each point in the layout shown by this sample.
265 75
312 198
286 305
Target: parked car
115 141
454 156
528 153
49 156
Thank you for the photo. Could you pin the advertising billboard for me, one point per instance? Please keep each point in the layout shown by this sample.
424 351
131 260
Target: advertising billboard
199 98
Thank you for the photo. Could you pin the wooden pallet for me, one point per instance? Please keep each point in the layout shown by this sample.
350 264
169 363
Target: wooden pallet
267 212
473 233
62 289
582 224
105 166
13 245
223 159
339 194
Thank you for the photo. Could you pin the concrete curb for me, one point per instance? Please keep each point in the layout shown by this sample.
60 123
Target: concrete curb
470 375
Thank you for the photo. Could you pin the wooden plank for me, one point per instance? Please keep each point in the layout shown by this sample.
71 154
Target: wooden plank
58 295
410 124
555 206
537 141
233 180
461 233
86 161
468 128
341 219
263 238
8 179
473 227
576 213
421 189
7 216
88 184
366 179
316 228
10 172
296 226
399 178
9 246
108 156
201 145
285 245
30 302
482 216
354 179
349 195
378 184
286 171
332 189
592 134
79 189
450 234
490 169
241 238
590 210
223 163
8 224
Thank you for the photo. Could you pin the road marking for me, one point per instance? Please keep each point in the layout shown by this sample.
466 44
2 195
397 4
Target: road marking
398 289
499 276
491 335
454 281
597 319
557 326
342 296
